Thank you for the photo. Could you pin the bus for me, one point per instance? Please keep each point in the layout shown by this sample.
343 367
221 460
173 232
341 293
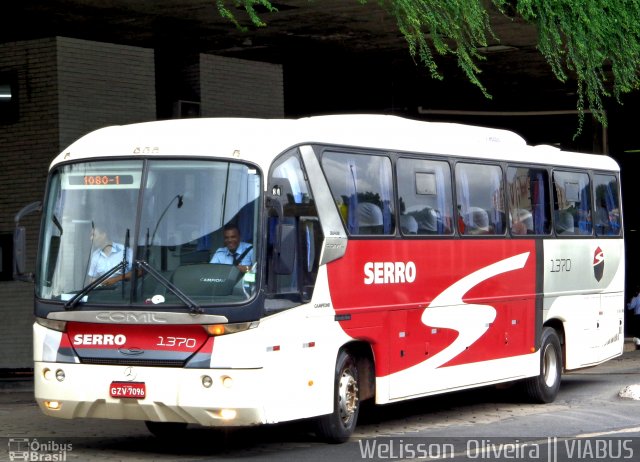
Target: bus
389 259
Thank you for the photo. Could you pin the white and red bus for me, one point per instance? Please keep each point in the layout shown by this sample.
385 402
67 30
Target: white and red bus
389 259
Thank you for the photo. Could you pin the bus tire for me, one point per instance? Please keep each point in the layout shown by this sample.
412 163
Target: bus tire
167 431
544 387
338 426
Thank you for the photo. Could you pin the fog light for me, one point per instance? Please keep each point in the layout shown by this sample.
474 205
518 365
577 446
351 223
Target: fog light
53 405
47 374
227 381
207 381
228 414
60 375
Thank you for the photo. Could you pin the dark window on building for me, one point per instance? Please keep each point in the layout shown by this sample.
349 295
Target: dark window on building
6 257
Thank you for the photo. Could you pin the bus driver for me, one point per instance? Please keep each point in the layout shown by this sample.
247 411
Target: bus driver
235 252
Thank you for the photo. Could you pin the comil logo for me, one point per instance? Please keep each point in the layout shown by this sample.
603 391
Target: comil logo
598 264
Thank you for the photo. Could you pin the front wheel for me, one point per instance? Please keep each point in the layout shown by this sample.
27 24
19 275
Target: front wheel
338 426
544 387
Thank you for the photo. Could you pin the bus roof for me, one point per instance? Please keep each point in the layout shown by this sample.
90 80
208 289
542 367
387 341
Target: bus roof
260 140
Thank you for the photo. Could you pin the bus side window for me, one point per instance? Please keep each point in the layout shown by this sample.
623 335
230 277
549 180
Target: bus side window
292 259
424 191
528 198
607 215
362 189
572 201
479 189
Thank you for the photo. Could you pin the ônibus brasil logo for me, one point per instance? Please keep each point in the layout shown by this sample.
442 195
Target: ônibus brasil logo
31 449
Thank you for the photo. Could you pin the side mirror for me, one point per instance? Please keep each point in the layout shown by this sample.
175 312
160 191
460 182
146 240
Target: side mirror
19 255
20 243
285 248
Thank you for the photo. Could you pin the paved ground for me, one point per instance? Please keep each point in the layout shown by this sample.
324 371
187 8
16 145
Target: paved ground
20 418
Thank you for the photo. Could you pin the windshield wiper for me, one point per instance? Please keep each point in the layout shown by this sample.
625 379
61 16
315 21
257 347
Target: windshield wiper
74 300
57 223
193 306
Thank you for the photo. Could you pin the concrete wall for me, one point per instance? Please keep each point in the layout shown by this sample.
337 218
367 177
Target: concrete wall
232 87
66 87
26 148
102 84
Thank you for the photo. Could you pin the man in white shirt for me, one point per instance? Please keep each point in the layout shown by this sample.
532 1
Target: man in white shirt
106 256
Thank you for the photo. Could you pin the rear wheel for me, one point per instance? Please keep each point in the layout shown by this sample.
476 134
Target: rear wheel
544 387
338 426
166 430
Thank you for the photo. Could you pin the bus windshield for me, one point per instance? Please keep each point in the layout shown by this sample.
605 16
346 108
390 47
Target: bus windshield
162 232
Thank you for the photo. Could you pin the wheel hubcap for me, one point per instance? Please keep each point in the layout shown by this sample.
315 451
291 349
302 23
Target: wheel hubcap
347 397
550 366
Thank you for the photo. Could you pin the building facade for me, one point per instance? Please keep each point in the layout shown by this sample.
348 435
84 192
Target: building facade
61 88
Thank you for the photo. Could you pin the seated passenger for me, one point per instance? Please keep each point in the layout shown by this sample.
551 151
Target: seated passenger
369 218
603 225
564 223
234 252
522 222
408 224
427 219
477 221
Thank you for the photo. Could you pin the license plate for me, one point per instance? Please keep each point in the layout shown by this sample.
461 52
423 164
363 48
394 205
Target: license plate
136 390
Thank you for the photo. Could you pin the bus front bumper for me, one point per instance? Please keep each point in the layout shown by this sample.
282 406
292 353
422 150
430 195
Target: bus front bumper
209 397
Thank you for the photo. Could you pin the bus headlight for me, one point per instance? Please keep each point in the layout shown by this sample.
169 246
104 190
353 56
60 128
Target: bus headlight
228 414
53 405
52 324
215 330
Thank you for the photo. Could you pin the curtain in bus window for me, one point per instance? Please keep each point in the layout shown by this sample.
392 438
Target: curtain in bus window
539 201
440 199
498 217
612 206
584 210
57 254
385 193
352 206
309 246
205 242
245 221
289 170
464 204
